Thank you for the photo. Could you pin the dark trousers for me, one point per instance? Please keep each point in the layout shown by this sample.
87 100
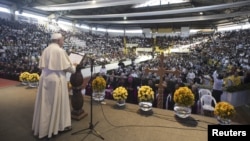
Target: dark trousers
217 94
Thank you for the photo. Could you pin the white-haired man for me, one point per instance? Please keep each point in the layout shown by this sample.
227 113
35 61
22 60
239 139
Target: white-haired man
52 106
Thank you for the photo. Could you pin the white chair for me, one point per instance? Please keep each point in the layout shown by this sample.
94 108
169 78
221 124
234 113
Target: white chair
208 103
169 98
202 92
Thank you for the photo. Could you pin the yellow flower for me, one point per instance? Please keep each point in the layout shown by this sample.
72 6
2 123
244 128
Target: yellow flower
224 110
33 77
145 93
98 84
120 93
24 76
184 96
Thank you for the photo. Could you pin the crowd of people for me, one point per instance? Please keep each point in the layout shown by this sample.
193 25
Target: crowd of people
219 60
21 45
227 52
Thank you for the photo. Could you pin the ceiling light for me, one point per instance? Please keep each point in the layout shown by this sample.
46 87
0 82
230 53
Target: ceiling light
148 3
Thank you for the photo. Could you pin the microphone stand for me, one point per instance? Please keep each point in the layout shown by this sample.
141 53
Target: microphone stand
91 128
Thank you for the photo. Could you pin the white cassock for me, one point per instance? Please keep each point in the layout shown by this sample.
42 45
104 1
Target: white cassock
52 106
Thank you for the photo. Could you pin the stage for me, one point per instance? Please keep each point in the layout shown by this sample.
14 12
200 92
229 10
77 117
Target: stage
123 124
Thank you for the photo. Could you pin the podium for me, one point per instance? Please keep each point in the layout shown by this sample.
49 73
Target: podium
77 99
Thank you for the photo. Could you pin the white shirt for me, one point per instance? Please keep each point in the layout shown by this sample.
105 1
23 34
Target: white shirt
134 74
218 83
206 80
103 71
191 75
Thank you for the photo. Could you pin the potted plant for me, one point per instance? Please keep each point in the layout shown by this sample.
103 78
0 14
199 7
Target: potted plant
120 94
33 79
224 112
145 97
23 77
184 99
98 87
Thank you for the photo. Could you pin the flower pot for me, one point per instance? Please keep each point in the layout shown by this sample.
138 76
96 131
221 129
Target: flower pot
99 96
182 111
145 105
25 83
223 121
120 103
33 84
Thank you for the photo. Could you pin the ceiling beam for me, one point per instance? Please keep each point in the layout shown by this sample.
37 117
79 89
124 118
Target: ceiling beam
173 20
165 12
88 5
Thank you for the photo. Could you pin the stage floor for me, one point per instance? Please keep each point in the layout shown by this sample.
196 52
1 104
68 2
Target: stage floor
7 83
123 124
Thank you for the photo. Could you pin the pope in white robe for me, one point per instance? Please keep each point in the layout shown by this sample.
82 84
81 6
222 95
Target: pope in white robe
52 106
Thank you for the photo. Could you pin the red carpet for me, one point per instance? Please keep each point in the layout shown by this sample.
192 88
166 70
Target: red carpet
7 83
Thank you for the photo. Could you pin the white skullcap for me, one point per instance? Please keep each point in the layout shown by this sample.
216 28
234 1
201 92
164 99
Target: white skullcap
56 36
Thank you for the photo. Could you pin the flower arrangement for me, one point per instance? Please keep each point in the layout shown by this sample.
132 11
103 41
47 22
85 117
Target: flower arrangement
98 84
184 96
120 93
224 110
33 77
24 76
145 93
